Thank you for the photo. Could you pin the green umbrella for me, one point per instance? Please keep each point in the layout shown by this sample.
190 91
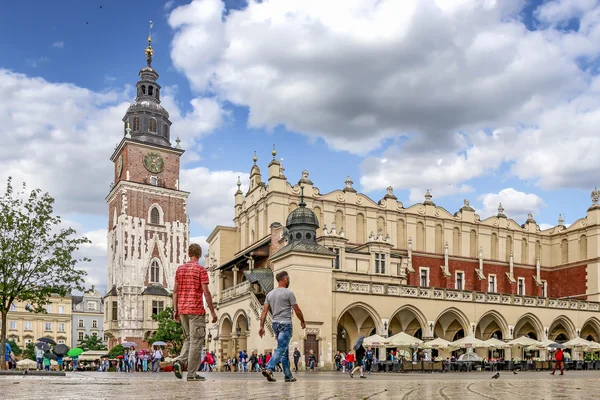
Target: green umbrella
74 352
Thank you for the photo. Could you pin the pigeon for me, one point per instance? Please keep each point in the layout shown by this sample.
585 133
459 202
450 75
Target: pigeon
496 376
515 372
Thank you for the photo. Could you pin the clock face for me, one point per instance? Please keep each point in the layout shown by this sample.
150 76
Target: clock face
120 166
154 162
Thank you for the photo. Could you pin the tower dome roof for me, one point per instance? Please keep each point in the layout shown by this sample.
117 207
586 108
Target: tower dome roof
302 216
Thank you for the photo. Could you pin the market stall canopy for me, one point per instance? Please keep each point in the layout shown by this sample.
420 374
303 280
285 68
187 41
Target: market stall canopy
92 355
580 343
548 343
524 341
496 343
404 339
438 343
376 340
470 342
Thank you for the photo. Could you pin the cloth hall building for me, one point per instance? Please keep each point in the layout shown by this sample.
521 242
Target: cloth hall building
360 266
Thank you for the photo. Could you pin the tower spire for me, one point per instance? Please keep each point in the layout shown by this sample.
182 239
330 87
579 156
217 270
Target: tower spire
302 203
149 50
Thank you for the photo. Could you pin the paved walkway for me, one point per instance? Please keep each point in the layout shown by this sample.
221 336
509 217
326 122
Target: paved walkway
324 386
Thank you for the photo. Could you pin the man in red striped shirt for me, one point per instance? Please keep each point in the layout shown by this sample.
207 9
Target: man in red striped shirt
191 288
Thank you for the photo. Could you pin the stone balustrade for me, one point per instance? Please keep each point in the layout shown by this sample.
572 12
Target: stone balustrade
235 291
461 295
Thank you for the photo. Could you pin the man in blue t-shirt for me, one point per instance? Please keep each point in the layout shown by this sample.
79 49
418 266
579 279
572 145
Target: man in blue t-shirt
369 359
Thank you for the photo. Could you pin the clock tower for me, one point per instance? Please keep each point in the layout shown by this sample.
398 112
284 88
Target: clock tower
148 228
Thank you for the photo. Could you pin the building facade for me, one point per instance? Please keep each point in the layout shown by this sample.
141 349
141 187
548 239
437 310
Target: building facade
26 327
87 317
419 269
148 228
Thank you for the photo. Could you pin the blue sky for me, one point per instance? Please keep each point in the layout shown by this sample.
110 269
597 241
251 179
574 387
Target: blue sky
491 102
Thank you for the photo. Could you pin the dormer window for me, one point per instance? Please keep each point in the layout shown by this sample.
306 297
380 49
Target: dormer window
136 124
152 124
154 272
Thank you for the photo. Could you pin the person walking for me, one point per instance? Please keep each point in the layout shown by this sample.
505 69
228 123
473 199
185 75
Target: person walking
296 358
559 357
189 292
359 363
280 301
312 361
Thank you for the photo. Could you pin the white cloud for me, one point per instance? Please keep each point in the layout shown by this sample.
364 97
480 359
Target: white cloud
516 204
34 63
59 45
169 4
96 252
436 76
212 195
201 240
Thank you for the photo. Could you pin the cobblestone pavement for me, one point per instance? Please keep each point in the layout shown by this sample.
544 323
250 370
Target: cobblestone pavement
324 386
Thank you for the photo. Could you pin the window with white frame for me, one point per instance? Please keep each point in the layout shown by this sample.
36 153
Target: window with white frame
48 326
91 306
80 336
544 289
335 263
154 272
12 325
492 283
61 327
379 263
459 283
80 324
94 323
49 308
157 307
61 309
424 276
13 307
28 325
521 287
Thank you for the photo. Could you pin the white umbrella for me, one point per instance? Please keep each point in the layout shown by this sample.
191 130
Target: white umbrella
437 343
496 343
376 340
524 341
579 342
404 339
470 342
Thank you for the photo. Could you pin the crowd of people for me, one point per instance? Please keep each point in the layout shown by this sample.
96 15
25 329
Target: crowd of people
138 361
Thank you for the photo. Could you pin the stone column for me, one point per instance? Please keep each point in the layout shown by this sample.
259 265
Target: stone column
235 271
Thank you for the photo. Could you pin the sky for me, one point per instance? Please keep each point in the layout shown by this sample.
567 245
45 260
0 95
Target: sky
487 100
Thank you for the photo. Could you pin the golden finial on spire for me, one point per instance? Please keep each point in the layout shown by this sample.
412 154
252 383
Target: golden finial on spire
274 152
149 50
255 159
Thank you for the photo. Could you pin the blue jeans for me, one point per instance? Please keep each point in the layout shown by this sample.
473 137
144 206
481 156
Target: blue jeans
283 332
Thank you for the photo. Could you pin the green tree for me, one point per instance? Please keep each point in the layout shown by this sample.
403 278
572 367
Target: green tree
36 253
91 343
169 331
14 347
29 352
118 350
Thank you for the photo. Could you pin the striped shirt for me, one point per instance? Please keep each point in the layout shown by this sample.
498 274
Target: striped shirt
189 278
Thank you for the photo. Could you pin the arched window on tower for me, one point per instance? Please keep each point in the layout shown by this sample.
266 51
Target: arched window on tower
143 89
154 272
155 216
166 131
136 124
152 125
150 90
157 94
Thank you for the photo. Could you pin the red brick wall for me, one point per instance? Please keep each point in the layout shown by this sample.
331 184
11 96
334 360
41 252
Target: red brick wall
566 282
133 161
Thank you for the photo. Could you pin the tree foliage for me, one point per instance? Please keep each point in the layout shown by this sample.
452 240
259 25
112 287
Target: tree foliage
91 343
29 352
118 350
36 253
169 331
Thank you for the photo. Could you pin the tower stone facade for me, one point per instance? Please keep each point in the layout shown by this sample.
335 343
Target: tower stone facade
148 228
